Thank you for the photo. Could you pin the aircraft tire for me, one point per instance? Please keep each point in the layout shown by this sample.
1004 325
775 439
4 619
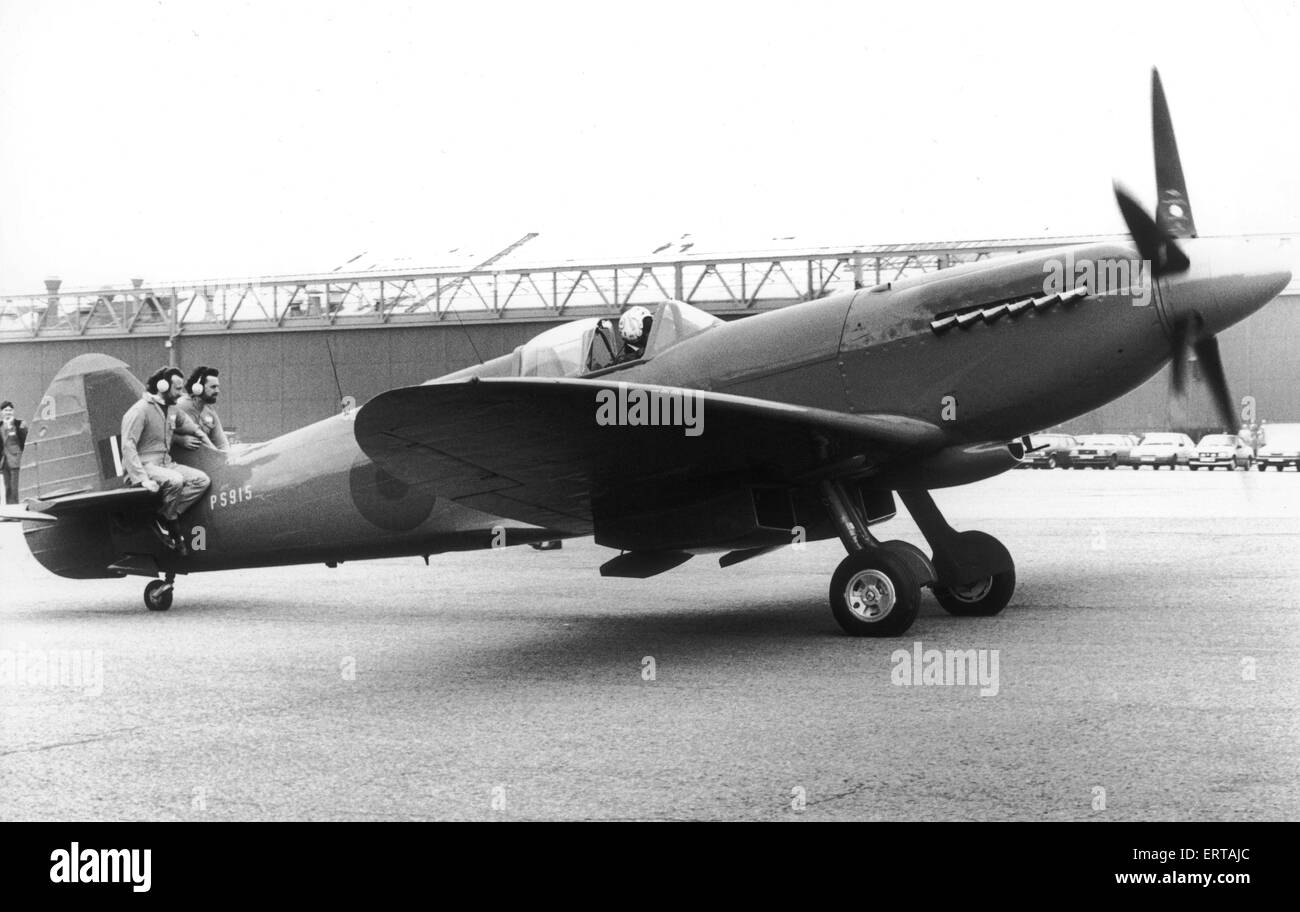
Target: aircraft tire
984 599
918 561
158 595
874 594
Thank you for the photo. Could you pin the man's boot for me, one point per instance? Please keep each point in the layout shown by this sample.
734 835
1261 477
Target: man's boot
161 529
179 537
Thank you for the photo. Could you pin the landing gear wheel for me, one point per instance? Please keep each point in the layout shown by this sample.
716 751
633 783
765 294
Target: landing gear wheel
1114 463
1051 462
982 599
917 560
874 594
158 595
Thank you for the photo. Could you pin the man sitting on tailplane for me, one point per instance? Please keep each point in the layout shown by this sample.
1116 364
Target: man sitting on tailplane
147 429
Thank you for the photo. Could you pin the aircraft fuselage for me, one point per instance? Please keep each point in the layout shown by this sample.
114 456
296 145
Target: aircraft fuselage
874 351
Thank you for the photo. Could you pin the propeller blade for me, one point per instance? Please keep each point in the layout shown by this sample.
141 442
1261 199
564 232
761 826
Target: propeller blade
1153 243
1183 336
1207 350
1173 209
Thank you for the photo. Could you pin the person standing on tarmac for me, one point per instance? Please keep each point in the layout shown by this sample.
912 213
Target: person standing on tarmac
147 430
13 438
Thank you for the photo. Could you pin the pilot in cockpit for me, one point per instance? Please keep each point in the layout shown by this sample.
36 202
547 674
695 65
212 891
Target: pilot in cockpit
634 329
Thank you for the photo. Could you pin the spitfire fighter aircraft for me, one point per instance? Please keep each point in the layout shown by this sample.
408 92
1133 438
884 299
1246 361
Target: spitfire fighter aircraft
732 438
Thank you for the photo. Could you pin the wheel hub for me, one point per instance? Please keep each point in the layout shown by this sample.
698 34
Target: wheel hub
870 595
974 592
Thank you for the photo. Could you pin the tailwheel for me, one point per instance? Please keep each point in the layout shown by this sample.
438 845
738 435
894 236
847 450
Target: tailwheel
983 598
158 595
874 593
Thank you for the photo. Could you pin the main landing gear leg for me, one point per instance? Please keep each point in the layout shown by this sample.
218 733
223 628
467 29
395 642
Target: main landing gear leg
158 594
876 590
976 575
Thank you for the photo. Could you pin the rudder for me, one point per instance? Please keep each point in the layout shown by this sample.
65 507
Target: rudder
73 441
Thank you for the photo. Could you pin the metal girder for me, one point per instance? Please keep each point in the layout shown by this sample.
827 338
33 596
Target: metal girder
721 284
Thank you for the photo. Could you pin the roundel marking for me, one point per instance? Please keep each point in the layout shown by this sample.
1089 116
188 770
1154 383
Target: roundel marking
387 501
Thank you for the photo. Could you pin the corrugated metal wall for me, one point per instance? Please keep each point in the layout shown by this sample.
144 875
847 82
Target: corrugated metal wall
1261 357
277 381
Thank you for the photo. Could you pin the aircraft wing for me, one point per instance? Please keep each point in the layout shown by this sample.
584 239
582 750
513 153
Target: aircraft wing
548 451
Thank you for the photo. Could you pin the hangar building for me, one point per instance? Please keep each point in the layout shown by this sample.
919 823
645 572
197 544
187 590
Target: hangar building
291 349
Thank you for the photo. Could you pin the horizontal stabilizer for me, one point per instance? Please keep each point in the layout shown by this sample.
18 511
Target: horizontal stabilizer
118 500
9 513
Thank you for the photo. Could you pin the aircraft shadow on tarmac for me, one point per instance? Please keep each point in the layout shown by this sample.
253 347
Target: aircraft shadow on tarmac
775 617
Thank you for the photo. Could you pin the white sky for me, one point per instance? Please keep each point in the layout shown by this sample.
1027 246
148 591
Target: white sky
180 140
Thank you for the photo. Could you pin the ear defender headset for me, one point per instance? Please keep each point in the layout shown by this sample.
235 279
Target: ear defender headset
198 378
158 382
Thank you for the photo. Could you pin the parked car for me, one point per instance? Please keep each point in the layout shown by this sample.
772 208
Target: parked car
1101 451
1279 446
1162 449
1048 451
1226 450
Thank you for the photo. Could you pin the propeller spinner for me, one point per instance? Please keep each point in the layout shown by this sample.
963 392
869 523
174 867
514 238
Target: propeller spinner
1207 284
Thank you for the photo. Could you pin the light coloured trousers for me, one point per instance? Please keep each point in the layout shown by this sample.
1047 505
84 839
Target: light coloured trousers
180 486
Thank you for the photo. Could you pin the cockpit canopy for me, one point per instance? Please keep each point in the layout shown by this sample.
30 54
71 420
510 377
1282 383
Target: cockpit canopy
594 345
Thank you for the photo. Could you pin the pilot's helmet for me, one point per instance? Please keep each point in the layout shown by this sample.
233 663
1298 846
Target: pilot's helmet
632 324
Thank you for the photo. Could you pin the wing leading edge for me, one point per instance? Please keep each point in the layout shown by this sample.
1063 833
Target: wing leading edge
561 452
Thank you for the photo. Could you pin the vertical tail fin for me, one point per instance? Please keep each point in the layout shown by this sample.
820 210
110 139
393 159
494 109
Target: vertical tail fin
73 462
72 440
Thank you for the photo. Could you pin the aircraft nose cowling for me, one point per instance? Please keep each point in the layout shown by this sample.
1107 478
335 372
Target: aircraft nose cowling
1228 281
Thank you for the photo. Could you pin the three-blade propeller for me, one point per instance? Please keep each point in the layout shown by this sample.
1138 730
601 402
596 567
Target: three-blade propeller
1157 244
